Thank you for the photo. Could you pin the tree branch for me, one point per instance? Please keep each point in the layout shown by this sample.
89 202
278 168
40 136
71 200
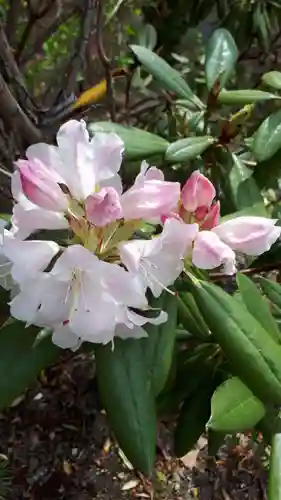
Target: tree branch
33 17
105 61
12 18
13 75
14 117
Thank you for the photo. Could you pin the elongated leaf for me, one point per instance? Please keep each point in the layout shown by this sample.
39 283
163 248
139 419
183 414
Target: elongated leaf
193 418
267 140
139 144
126 393
22 359
148 36
190 316
168 77
258 306
274 485
188 148
244 188
159 347
244 96
192 370
221 56
273 79
234 407
254 355
272 290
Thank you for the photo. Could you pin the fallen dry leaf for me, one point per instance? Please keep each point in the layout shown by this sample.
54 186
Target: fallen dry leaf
130 484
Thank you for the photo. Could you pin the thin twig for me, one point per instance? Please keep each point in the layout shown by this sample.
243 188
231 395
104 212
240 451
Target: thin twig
104 60
13 75
266 268
77 61
15 118
33 18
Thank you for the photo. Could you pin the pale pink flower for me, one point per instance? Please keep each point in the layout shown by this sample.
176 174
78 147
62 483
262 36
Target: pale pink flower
28 217
209 252
40 185
212 218
150 197
197 192
159 262
249 235
103 207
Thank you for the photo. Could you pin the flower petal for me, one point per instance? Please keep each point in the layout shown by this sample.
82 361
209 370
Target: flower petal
250 235
210 252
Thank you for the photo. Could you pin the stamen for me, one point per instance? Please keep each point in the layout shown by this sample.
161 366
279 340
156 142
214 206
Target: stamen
149 274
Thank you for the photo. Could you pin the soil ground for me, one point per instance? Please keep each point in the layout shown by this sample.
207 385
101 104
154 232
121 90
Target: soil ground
59 447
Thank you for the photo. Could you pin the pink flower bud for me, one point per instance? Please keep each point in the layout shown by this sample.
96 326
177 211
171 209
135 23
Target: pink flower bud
103 207
210 252
198 191
250 235
150 199
212 218
40 185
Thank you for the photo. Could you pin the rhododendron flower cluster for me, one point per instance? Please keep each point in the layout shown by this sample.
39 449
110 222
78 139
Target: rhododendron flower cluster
91 283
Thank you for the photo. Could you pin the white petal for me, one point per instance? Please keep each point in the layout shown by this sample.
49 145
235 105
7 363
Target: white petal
64 337
108 151
29 257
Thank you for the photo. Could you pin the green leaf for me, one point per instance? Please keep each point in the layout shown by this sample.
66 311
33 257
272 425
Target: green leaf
273 79
221 57
187 149
234 408
272 290
215 441
244 96
193 418
257 305
245 190
192 370
127 396
267 139
168 77
139 144
159 346
253 354
147 36
258 210
22 357
190 316
274 484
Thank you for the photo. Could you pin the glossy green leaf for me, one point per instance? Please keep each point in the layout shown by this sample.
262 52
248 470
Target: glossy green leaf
257 305
221 57
244 188
148 36
233 97
253 354
158 348
190 316
127 396
234 407
22 357
273 292
215 441
274 484
168 77
139 144
273 79
193 368
267 139
193 418
187 149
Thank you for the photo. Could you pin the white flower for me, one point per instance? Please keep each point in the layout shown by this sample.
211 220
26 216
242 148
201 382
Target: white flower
160 261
